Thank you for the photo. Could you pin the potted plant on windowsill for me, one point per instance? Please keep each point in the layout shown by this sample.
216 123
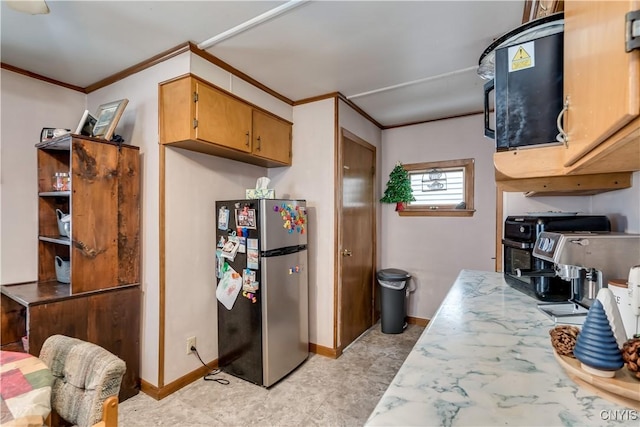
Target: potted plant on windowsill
398 188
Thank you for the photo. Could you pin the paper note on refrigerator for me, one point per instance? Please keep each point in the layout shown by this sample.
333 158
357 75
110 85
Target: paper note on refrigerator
229 287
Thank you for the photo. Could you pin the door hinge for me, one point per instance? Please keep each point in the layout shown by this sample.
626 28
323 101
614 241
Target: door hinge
195 123
195 96
632 33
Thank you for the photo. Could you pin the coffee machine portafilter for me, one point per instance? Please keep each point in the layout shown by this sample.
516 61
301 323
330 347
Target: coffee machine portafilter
588 260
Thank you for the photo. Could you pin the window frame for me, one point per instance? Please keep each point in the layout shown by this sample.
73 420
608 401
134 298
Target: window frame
469 178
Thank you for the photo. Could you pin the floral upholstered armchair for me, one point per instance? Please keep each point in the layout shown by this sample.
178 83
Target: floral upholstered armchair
86 382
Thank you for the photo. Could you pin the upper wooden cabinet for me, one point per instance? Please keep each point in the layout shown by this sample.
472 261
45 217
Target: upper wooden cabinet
198 116
270 136
221 119
602 90
601 84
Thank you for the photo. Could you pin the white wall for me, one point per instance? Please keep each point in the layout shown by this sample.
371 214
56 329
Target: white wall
434 249
194 182
311 177
139 126
622 207
27 105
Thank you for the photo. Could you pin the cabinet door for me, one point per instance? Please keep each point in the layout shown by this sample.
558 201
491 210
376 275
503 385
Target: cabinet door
176 110
222 119
271 138
600 78
94 215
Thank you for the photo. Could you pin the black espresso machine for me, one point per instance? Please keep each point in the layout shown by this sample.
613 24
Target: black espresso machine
529 274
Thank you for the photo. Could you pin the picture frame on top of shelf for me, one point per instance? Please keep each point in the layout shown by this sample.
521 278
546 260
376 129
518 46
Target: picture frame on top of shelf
86 125
108 116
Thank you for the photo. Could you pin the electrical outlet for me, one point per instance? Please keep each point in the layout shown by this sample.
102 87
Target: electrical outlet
191 342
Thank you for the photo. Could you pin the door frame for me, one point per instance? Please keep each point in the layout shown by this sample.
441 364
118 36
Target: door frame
339 175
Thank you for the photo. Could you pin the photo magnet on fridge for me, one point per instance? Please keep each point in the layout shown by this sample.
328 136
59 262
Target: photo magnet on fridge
246 218
223 218
249 283
230 248
252 259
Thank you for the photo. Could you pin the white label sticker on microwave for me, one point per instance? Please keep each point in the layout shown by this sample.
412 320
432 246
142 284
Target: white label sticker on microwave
522 56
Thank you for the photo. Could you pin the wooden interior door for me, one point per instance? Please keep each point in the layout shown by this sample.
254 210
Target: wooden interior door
358 239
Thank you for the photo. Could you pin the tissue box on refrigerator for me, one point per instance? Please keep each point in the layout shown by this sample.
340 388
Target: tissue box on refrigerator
255 193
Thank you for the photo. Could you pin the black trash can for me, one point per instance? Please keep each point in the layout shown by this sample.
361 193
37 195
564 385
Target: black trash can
393 299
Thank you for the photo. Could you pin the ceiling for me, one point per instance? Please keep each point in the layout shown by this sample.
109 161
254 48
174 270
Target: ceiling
400 62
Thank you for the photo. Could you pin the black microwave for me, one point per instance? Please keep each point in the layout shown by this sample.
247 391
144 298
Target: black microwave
527 85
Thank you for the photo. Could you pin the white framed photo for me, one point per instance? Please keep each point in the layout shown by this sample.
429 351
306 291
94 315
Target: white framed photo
108 116
86 125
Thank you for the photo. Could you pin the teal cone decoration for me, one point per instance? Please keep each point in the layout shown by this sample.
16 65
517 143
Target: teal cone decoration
596 347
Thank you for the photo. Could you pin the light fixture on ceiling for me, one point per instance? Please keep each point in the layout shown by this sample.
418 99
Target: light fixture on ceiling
270 14
32 7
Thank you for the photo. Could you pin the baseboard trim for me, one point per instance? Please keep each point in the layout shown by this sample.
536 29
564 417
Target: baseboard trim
417 321
160 393
333 353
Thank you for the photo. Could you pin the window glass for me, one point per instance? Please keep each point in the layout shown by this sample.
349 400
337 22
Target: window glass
443 188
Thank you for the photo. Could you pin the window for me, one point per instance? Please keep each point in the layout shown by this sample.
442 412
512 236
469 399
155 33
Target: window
441 188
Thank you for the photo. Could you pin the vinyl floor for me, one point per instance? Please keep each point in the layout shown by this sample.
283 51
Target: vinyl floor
321 392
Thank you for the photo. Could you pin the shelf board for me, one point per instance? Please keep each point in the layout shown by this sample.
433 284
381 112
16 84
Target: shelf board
59 143
16 347
54 193
56 239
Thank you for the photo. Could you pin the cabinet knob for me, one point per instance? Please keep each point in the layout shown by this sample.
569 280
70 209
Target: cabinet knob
259 144
247 140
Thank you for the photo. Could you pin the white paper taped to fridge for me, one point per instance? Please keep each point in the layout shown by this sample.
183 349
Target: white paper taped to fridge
229 287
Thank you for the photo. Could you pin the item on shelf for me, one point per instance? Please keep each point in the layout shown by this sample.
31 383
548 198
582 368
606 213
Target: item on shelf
63 270
64 223
87 122
50 133
61 181
563 339
631 355
107 118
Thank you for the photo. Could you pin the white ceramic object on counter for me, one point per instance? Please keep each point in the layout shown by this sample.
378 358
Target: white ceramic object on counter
608 300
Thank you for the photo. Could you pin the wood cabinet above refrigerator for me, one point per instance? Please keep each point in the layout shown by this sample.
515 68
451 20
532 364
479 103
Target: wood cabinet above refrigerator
198 116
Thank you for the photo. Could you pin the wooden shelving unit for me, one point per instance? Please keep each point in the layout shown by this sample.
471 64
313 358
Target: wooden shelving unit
102 302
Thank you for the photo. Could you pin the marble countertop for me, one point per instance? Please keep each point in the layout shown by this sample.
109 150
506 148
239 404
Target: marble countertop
486 359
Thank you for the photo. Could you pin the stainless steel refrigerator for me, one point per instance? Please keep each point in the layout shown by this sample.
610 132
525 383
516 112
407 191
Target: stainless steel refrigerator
263 333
